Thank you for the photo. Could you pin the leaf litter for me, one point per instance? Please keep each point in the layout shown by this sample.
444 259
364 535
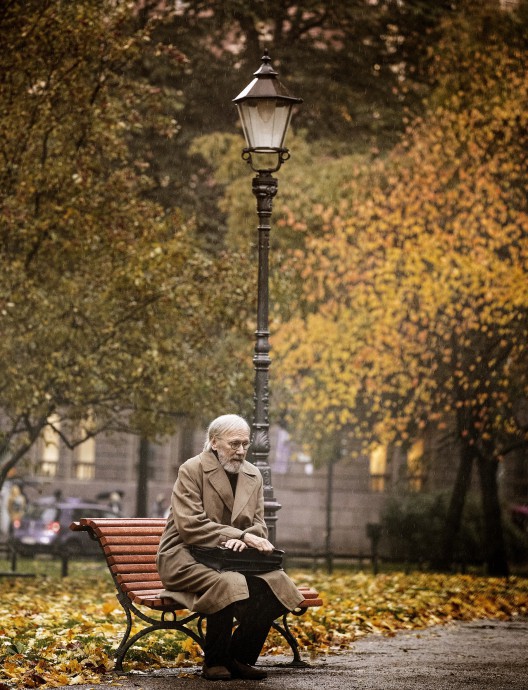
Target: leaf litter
57 632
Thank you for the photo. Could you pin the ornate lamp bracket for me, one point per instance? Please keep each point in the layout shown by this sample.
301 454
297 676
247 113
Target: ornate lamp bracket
282 156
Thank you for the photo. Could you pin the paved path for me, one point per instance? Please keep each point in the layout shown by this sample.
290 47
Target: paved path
482 655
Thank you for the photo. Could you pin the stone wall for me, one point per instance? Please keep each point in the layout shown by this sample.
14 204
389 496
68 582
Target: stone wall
302 520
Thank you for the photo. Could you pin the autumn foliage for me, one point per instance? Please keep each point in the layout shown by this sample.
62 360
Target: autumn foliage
63 632
101 290
413 308
414 303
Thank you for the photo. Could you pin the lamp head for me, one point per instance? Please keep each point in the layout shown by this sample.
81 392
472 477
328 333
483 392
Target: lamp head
265 109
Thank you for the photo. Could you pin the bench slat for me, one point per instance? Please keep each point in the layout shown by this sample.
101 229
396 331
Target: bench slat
154 601
122 522
308 593
149 589
127 549
131 559
158 604
307 603
116 540
130 531
151 599
144 593
126 569
142 586
138 577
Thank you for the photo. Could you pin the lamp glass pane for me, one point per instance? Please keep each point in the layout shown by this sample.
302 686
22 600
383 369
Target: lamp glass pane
265 122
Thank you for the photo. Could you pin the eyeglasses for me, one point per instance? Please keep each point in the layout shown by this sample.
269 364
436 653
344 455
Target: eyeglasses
235 445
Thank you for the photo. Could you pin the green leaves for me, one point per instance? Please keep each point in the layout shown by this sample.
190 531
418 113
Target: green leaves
101 290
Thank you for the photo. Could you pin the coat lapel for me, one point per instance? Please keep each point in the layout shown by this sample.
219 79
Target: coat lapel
247 481
218 479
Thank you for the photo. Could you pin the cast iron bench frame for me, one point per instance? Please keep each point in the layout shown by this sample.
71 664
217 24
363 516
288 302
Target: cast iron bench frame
130 546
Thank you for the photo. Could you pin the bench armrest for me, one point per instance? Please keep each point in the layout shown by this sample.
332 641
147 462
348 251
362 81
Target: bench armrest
77 527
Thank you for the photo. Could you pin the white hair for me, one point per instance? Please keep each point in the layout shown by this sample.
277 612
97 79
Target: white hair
223 425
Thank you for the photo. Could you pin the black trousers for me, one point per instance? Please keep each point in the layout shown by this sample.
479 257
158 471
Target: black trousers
254 615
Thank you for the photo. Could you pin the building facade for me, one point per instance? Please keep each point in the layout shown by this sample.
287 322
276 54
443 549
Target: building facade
322 509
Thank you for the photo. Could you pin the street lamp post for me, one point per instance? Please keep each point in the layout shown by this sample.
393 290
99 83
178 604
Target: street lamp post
265 109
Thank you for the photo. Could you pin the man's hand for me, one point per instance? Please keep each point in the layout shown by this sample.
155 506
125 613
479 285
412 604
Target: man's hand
258 543
235 544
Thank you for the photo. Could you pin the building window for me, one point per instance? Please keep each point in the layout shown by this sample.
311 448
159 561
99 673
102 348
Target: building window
378 469
49 447
84 456
415 466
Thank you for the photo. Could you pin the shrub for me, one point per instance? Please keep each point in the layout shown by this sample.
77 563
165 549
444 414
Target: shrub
412 529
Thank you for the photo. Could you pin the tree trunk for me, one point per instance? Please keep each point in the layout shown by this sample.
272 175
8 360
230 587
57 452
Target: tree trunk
8 462
329 522
496 558
142 496
455 509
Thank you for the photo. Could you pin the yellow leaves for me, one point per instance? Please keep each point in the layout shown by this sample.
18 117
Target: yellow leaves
430 263
359 604
68 648
110 606
191 651
63 632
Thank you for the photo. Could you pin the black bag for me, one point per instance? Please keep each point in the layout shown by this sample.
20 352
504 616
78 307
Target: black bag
250 561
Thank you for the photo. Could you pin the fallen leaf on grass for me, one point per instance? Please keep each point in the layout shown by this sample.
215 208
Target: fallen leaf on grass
63 644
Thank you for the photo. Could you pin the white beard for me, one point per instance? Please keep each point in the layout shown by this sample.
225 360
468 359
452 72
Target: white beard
228 463
232 466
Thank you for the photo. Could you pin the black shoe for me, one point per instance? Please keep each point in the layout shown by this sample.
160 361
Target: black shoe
246 672
215 673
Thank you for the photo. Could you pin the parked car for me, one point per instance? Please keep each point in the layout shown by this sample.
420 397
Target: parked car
45 528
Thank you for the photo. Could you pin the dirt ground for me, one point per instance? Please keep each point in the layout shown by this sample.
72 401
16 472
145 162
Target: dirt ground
482 655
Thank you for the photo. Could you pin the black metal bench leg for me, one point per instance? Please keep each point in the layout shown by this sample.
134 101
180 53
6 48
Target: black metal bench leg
122 649
285 631
152 625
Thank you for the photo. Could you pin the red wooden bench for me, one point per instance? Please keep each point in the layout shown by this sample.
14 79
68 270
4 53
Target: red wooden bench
130 546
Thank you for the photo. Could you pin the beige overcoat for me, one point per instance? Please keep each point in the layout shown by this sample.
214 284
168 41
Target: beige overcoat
205 512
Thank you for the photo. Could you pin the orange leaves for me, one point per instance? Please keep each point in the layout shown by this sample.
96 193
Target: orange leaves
63 632
54 643
359 604
423 278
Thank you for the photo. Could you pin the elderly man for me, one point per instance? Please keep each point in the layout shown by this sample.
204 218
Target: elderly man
218 500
